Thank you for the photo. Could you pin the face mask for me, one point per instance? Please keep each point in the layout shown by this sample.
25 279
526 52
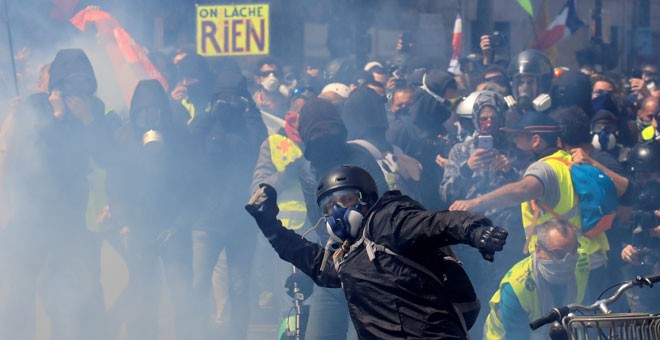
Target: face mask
642 124
604 141
271 83
488 127
344 223
557 272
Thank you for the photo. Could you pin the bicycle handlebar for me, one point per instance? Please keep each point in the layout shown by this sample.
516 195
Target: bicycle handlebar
556 314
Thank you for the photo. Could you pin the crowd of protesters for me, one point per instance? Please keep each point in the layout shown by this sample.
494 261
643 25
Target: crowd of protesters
165 184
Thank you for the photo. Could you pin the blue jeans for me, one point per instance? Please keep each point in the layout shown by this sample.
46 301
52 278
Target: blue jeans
328 316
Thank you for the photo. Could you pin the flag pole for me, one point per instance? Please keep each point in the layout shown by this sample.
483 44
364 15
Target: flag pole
11 47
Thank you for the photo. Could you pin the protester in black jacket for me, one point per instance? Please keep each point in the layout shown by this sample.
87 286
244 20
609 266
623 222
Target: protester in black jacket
388 298
55 137
147 189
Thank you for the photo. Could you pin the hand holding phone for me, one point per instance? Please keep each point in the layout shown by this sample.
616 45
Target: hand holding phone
485 142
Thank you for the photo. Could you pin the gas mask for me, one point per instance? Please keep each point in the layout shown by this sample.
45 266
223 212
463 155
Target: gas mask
148 122
604 140
345 218
540 103
271 83
557 272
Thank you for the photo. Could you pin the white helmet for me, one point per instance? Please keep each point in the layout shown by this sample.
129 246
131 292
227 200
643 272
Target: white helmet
338 88
466 107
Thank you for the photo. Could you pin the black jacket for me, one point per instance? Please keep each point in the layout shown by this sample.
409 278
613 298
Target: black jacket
388 299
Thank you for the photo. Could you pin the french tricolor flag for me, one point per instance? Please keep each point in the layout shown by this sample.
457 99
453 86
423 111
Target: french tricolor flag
563 26
454 65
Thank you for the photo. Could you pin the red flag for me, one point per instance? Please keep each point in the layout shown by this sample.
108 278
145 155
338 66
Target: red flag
129 60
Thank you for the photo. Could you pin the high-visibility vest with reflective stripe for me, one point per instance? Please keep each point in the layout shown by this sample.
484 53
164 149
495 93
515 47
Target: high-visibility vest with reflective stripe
190 107
284 151
567 206
521 279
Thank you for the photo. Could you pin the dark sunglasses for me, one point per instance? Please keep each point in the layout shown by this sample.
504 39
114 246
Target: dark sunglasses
265 74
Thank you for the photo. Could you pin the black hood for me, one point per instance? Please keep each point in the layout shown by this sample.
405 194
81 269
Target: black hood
70 63
149 93
364 114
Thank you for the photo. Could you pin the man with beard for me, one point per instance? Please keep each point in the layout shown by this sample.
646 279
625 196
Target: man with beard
55 136
146 193
323 134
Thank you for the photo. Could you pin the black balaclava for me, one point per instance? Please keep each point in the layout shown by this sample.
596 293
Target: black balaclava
196 66
324 150
364 114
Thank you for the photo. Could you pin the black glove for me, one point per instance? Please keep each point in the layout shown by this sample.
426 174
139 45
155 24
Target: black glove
263 205
488 239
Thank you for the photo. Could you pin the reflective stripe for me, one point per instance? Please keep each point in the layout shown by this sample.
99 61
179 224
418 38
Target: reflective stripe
284 151
191 109
292 214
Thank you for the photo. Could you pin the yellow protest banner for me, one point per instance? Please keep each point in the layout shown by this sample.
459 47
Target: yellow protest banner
233 30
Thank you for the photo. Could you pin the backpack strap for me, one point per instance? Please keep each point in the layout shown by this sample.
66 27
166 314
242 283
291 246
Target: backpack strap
536 207
372 248
373 150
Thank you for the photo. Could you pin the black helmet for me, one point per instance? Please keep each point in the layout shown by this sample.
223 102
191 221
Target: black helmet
345 177
645 157
532 63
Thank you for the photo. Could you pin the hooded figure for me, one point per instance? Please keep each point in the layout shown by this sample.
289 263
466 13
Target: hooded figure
490 126
72 73
228 137
150 113
420 137
365 116
148 185
46 171
430 109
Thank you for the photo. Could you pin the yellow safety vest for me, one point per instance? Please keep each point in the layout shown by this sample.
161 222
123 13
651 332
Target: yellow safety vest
567 206
284 151
648 133
190 107
521 279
